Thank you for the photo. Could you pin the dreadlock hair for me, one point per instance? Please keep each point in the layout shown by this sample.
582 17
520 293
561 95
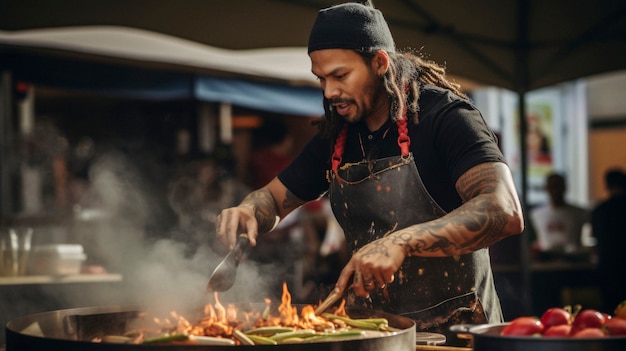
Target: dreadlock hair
402 81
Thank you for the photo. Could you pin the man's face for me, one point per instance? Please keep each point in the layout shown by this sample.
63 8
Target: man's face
351 84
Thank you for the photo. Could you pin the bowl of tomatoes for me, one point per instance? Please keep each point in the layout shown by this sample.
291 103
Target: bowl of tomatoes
556 329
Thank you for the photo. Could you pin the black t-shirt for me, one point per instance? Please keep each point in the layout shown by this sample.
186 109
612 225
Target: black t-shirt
451 138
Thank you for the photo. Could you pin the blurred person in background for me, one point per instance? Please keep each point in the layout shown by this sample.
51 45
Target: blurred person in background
197 194
413 173
608 221
273 151
558 224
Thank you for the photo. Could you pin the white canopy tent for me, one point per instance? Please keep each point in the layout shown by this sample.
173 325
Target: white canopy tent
273 79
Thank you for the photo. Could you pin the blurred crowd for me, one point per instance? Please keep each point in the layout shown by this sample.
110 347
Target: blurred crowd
596 235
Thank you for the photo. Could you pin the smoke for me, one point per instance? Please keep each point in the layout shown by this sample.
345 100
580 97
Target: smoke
158 273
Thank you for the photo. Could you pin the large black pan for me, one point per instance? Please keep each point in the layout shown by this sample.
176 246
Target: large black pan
486 337
72 330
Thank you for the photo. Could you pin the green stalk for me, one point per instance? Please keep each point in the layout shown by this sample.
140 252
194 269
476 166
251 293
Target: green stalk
366 323
261 340
302 333
166 338
270 330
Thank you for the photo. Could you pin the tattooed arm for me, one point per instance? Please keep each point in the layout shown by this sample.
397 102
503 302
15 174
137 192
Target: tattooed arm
491 212
258 213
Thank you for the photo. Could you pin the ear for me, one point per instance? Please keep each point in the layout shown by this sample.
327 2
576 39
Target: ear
380 62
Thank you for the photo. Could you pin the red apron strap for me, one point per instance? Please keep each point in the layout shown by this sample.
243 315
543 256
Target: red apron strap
339 147
403 137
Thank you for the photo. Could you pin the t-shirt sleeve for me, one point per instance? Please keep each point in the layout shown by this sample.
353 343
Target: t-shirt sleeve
463 139
305 177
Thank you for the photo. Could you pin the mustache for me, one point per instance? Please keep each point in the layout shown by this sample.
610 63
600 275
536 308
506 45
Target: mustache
340 101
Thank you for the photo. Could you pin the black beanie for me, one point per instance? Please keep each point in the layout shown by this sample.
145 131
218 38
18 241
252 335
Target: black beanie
350 26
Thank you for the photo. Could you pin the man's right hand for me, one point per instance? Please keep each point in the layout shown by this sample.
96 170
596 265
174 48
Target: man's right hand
258 212
234 221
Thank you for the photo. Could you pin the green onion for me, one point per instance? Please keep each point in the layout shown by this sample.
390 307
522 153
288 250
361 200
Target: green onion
302 333
243 338
261 340
366 323
166 338
270 330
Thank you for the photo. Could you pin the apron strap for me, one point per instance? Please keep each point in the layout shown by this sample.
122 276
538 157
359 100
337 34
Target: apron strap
403 137
339 146
403 141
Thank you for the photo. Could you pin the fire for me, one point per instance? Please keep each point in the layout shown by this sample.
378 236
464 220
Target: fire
220 321
221 312
341 310
288 313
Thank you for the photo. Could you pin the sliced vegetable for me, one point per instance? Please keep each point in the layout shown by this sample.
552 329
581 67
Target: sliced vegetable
242 337
166 338
271 330
210 340
367 323
261 340
266 312
337 335
302 333
293 340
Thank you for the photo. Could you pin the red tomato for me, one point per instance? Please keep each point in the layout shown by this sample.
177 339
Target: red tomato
615 326
589 333
555 316
523 326
588 319
561 330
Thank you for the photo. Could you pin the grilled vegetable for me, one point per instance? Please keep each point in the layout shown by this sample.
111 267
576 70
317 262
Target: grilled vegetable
243 338
271 330
210 340
302 333
261 340
367 323
166 338
336 335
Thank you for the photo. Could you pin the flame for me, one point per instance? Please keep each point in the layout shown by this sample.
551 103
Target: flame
310 320
288 313
221 312
341 310
218 321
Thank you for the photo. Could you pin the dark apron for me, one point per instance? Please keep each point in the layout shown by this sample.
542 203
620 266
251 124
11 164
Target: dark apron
371 199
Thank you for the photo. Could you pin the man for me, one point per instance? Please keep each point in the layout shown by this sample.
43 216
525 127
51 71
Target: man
419 235
609 229
559 227
558 224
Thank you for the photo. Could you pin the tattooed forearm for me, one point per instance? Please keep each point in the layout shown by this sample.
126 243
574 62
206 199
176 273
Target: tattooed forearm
469 228
490 213
291 202
264 208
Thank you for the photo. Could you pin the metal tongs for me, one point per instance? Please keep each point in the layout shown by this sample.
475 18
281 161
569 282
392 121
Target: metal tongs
223 277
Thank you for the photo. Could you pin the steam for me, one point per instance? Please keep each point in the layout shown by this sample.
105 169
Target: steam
157 273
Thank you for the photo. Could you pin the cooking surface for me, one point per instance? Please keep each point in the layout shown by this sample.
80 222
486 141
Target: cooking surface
64 330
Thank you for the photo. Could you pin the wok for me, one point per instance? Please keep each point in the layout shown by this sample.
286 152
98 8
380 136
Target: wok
486 337
72 330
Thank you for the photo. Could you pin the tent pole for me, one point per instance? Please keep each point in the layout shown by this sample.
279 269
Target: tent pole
7 165
527 297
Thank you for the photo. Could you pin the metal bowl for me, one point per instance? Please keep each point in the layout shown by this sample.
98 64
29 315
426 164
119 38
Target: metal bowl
486 337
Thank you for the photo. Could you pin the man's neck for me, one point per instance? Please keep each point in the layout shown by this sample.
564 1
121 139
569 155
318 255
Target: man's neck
379 116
